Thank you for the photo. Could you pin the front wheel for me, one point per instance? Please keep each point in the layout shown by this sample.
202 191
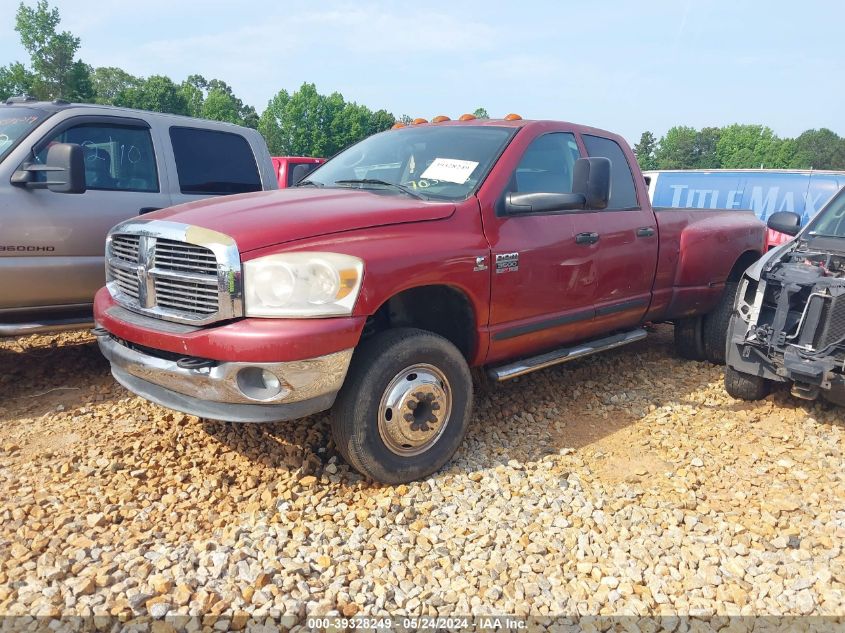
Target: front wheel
744 386
404 408
715 328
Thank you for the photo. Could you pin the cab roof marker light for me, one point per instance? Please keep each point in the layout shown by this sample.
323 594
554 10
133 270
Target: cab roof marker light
440 118
397 125
513 117
467 117
419 120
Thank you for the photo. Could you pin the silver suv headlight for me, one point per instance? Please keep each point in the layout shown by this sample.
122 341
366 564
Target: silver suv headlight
304 284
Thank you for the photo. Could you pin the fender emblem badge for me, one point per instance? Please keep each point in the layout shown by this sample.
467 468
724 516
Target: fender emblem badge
480 264
507 263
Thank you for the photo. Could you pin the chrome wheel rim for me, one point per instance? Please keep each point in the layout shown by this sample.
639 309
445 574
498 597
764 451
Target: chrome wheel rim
414 410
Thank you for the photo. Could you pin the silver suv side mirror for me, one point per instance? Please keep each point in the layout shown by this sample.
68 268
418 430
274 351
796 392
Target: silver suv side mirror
65 169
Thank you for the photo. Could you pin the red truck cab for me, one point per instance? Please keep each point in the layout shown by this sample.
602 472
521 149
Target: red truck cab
373 287
291 169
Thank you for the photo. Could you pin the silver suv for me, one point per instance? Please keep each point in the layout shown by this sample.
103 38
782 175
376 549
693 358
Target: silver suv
69 172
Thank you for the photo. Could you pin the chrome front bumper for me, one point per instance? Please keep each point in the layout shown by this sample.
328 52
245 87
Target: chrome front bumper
218 391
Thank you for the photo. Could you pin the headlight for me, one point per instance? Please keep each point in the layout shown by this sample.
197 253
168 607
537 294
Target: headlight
748 302
302 285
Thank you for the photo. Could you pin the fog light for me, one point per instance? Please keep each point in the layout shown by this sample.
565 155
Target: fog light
259 384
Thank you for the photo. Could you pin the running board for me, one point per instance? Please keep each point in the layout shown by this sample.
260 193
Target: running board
565 354
39 327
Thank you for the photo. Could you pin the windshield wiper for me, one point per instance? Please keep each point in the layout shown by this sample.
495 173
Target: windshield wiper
309 183
374 181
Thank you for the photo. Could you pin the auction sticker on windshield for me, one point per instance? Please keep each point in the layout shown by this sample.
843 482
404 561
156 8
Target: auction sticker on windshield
450 170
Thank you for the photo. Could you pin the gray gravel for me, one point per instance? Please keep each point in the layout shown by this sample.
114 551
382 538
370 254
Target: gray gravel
628 483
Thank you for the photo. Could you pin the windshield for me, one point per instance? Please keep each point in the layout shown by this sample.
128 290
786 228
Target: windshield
830 221
15 123
445 162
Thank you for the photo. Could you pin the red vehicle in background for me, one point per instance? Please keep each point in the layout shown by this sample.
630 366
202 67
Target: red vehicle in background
291 169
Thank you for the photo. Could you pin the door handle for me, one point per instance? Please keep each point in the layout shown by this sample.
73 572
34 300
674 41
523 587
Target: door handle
586 238
144 210
645 231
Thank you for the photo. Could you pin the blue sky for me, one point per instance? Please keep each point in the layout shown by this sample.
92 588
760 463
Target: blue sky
623 66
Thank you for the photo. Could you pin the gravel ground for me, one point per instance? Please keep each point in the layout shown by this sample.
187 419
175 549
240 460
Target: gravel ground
628 483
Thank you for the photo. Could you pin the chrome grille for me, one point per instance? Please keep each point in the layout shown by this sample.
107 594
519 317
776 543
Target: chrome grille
187 295
125 247
153 268
126 281
173 255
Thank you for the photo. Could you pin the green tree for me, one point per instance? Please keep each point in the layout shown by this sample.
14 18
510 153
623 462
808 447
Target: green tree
381 120
157 93
678 149
269 124
705 148
644 151
109 82
480 113
55 71
194 89
214 99
350 122
310 124
782 153
218 106
304 124
749 146
15 80
819 149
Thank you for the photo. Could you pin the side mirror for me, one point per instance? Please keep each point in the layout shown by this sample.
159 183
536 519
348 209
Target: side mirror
66 165
518 203
65 168
784 222
591 178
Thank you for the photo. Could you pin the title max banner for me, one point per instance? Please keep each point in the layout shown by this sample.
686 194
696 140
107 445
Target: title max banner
762 192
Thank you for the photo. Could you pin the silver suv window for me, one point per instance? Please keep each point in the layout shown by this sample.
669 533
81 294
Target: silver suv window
211 162
117 157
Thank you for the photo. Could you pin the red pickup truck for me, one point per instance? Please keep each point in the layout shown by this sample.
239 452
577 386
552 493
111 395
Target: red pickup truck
373 286
291 169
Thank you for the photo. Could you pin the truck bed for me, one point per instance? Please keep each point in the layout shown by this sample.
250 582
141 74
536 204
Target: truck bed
697 253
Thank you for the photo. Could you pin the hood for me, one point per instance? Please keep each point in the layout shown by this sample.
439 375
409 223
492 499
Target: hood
265 218
769 259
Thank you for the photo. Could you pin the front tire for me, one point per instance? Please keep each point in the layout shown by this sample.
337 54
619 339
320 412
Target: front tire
716 323
744 386
405 406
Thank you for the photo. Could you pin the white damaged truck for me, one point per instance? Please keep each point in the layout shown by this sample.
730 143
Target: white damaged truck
788 323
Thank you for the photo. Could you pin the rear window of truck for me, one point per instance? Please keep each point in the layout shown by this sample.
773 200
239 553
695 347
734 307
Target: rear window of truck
623 194
299 171
213 163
